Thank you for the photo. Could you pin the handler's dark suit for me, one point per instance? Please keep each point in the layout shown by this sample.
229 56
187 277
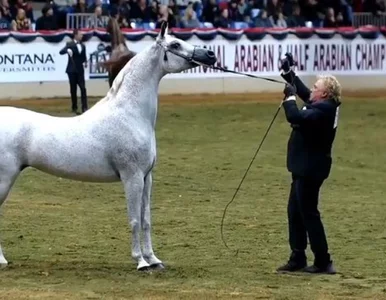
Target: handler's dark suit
75 72
309 161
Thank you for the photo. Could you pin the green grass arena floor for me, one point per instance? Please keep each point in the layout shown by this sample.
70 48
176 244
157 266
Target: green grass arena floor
71 240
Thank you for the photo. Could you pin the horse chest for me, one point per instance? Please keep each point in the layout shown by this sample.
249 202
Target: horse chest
135 145
139 149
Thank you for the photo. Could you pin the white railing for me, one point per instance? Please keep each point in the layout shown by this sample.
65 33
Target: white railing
363 19
84 20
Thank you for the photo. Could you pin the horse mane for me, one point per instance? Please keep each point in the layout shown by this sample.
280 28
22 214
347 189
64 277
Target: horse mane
116 65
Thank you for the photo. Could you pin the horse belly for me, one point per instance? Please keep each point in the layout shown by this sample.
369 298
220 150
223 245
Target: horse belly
75 159
79 172
57 146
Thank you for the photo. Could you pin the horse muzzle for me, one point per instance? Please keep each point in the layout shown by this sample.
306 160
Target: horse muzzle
204 56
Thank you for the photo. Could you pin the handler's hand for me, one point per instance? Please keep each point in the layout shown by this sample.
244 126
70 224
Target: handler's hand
287 62
69 51
289 90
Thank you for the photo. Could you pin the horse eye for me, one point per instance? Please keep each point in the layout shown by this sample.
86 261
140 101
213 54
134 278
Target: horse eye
175 46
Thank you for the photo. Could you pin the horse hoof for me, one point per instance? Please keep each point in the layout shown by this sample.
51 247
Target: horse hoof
3 262
144 269
158 267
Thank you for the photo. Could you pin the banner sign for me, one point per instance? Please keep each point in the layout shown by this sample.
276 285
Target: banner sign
32 62
337 56
41 61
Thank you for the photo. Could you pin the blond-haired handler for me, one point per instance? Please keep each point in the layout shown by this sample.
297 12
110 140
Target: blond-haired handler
309 161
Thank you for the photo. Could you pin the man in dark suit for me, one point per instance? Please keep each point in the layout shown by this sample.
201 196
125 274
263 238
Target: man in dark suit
309 160
76 51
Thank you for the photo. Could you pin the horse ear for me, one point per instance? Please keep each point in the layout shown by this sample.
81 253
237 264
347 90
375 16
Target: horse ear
164 29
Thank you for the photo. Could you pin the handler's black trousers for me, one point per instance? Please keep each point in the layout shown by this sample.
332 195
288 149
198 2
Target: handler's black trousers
304 218
77 79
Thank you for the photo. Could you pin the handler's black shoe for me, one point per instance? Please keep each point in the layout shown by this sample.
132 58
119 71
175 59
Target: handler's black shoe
328 269
292 266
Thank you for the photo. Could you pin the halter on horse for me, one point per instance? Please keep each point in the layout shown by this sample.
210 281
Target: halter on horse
114 140
119 50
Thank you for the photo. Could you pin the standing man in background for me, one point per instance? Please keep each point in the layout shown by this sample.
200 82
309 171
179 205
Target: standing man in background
309 162
76 51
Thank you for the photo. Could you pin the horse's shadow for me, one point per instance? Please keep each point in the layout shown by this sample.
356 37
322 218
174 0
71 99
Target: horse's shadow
97 269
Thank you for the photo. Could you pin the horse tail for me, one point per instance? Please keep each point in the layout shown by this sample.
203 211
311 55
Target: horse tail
119 57
120 60
113 29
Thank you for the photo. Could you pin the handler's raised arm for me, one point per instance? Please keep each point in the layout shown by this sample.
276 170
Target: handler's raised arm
289 75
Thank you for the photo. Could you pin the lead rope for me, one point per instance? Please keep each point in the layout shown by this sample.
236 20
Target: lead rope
245 175
246 74
235 72
265 135
258 149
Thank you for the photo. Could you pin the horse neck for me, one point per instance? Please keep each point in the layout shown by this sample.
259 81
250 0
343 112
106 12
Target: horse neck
141 82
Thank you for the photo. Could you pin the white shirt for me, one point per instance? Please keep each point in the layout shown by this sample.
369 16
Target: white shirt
79 46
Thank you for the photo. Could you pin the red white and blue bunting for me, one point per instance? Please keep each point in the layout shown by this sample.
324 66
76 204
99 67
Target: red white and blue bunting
253 34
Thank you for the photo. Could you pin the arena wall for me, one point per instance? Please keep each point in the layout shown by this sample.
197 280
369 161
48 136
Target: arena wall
99 87
364 69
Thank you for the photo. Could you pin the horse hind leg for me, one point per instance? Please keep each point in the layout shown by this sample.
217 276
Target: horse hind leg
148 252
133 186
7 179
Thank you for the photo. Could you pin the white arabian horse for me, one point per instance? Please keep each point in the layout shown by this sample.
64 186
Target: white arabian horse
113 141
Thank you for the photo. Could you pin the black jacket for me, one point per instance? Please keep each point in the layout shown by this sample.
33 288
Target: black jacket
314 129
75 64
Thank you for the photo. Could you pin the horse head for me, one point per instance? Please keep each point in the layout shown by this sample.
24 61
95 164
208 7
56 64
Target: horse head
178 55
174 55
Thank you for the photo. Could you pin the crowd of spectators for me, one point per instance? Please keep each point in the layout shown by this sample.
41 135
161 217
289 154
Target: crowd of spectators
19 15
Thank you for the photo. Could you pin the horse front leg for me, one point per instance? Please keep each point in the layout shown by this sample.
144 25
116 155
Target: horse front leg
148 252
133 186
8 175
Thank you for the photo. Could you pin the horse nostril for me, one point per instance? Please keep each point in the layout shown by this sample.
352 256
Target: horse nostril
210 54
